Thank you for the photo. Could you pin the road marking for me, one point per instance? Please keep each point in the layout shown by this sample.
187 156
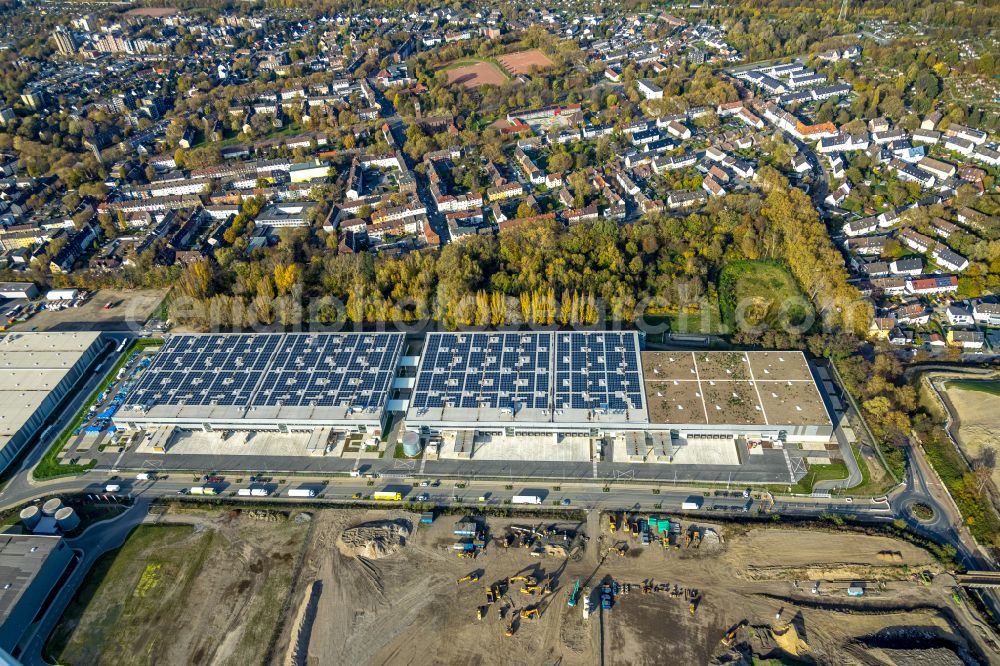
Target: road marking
788 463
595 467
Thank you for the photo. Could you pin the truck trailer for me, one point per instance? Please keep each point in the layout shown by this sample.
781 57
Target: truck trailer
301 492
387 497
525 499
203 490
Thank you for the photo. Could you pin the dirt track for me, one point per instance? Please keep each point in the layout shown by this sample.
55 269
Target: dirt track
365 598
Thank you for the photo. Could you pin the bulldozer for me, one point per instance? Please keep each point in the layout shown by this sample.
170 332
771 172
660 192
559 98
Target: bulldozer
529 613
468 578
491 595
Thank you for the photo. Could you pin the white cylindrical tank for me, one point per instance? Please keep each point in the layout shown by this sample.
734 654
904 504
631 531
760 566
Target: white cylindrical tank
51 506
30 515
67 519
411 444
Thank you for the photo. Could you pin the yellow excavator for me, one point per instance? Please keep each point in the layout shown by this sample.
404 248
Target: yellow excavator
527 580
612 523
479 613
510 629
730 636
529 613
529 589
469 578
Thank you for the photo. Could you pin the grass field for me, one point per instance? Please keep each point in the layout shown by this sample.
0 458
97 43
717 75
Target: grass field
176 594
983 386
761 294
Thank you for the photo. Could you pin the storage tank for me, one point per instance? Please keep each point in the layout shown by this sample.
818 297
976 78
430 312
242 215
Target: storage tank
51 506
30 515
411 444
67 519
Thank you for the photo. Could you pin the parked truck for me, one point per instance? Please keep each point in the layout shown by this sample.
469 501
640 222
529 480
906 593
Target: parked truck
525 499
203 490
252 492
142 476
387 496
692 503
112 488
301 492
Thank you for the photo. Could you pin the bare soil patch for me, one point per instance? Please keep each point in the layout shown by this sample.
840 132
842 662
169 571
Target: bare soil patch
478 74
523 62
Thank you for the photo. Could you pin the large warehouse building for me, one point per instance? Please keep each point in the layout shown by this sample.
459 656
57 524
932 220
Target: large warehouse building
280 381
490 394
30 568
37 371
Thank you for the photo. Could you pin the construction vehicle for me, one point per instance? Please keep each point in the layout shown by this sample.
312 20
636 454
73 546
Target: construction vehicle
546 586
468 578
730 636
625 523
687 540
529 581
510 629
529 613
620 549
491 597
770 501
529 589
574 596
497 591
480 613
612 523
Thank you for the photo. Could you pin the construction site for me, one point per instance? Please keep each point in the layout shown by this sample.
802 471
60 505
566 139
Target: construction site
397 587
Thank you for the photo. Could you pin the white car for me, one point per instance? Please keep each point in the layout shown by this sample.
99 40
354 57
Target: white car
423 497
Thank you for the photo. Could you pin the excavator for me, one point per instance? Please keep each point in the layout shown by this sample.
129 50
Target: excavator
730 636
625 525
529 589
529 613
491 596
527 580
480 613
468 578
612 523
510 629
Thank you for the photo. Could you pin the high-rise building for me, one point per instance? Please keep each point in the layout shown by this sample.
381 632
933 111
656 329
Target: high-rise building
65 41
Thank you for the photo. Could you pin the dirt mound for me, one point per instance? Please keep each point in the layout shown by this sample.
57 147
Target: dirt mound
374 540
787 638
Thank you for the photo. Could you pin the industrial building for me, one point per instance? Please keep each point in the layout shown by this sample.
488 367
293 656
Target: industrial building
520 383
37 370
495 395
280 382
31 566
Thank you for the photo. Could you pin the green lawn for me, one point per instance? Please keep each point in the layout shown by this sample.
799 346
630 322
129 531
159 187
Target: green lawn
761 293
983 386
49 466
832 472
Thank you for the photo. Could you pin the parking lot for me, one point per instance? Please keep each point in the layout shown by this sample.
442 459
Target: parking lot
97 430
127 311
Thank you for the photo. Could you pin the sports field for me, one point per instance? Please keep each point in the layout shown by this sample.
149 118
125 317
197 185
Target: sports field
522 62
473 74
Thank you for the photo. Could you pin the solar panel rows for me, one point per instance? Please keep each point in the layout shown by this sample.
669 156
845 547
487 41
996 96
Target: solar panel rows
546 371
352 370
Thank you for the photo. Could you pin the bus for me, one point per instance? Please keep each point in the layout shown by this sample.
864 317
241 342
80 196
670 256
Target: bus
387 497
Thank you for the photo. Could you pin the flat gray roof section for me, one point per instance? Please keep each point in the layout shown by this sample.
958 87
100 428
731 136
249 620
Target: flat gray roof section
21 558
767 388
573 378
295 378
31 366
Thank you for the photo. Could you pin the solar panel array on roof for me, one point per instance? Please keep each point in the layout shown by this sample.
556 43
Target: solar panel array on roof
350 370
593 371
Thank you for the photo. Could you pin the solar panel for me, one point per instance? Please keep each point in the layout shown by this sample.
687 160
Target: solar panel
244 370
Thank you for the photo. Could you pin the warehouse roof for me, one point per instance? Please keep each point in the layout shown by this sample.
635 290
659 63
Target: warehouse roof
770 388
31 366
529 377
21 558
289 377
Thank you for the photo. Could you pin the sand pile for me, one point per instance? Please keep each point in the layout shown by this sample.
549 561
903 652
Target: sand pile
374 540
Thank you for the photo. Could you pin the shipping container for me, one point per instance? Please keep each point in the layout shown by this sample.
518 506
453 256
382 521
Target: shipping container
525 499
387 497
301 492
